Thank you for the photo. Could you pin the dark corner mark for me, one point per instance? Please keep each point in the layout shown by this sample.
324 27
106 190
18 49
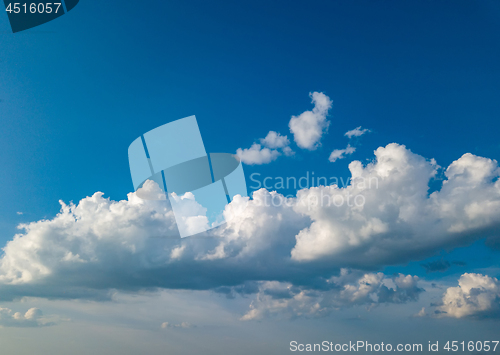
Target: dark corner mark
24 15
70 4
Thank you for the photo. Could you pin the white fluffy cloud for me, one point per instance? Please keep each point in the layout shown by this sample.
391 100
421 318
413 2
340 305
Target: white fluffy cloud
341 153
476 295
398 216
275 140
386 216
356 132
256 155
350 288
309 126
307 130
270 148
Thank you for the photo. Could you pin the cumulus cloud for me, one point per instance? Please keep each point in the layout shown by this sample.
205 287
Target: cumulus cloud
348 289
256 155
32 318
398 215
275 140
271 147
356 132
307 130
386 216
309 126
341 153
475 296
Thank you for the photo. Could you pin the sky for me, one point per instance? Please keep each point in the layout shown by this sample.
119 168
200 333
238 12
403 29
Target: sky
403 92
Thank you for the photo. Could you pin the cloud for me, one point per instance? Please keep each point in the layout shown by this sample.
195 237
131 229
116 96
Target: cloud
278 299
32 318
421 313
309 126
270 149
356 132
440 265
307 130
341 153
275 140
386 217
256 155
475 296
183 325
397 215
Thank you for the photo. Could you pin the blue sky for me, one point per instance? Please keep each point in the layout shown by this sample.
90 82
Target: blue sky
75 92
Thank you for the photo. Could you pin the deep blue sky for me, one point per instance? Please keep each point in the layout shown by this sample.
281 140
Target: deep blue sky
75 92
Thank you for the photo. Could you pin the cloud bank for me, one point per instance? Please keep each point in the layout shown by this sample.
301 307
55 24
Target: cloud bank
350 288
100 245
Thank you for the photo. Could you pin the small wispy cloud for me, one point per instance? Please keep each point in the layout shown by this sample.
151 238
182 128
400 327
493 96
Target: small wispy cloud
440 265
356 132
183 325
338 154
421 313
341 153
